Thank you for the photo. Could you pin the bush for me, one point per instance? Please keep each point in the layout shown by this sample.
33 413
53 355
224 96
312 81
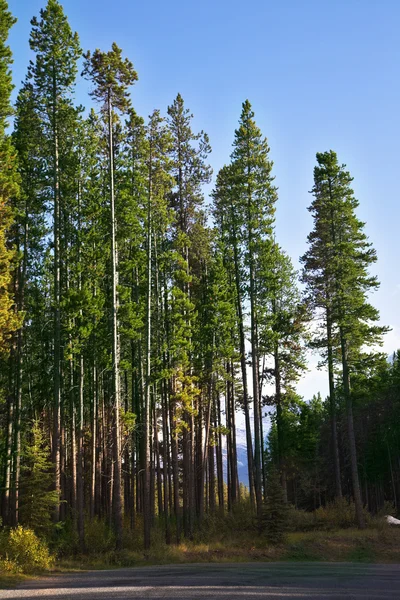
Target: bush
274 518
99 537
241 519
300 520
23 550
387 509
37 500
66 540
9 567
340 514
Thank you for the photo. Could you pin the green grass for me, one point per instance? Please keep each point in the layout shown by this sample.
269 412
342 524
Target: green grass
372 545
11 580
352 545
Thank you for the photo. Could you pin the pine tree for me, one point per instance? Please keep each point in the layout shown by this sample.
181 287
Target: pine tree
112 77
336 273
189 155
159 185
256 197
274 515
53 75
229 221
10 319
27 236
37 500
283 332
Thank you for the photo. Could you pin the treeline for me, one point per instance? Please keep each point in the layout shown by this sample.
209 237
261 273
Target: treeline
138 321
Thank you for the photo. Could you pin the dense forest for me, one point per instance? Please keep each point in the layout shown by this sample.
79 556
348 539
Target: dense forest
142 324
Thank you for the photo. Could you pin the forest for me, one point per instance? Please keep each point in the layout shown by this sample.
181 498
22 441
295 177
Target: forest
149 331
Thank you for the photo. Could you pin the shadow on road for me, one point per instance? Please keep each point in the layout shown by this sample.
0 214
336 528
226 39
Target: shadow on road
318 581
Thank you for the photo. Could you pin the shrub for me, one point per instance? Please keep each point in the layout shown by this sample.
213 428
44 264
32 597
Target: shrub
24 549
99 537
9 567
274 519
66 542
37 500
241 519
300 520
387 509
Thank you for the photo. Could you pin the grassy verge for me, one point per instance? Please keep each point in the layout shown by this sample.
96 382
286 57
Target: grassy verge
11 580
372 545
352 545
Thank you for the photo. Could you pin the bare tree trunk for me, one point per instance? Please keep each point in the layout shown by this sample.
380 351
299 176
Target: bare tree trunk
229 470
175 472
204 451
21 303
147 457
8 447
73 442
117 492
254 360
242 349
235 476
80 458
332 407
94 449
211 477
352 439
279 424
164 399
57 310
220 471
160 504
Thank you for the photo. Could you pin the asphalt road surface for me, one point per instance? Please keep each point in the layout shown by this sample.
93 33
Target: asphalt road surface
273 581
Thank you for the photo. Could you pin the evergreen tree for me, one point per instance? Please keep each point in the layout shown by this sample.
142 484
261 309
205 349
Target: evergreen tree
283 333
336 270
274 515
38 501
256 197
112 77
229 221
27 235
10 319
53 75
189 154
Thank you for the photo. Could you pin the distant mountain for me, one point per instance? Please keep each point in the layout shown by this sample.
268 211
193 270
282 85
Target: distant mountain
241 456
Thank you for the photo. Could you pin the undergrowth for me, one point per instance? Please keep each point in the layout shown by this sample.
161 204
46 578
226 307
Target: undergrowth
328 534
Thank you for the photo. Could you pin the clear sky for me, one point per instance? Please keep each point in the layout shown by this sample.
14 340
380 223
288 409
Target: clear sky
320 75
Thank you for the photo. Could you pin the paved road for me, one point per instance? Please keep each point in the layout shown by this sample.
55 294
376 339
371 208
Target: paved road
273 581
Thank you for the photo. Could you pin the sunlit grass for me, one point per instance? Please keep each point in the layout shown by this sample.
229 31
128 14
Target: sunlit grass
353 545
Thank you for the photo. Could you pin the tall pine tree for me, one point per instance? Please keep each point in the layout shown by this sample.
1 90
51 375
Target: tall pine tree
336 270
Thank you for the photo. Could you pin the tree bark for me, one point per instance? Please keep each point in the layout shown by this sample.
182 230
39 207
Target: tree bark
351 435
117 492
332 407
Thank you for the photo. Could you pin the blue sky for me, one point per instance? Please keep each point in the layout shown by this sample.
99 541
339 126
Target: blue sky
320 75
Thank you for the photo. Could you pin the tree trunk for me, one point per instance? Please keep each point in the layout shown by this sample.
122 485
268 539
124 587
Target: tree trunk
352 440
243 365
117 492
80 458
332 407
279 424
94 473
220 472
57 312
255 371
147 457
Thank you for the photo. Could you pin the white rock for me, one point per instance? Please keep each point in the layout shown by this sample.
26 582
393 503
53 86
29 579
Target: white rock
391 520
